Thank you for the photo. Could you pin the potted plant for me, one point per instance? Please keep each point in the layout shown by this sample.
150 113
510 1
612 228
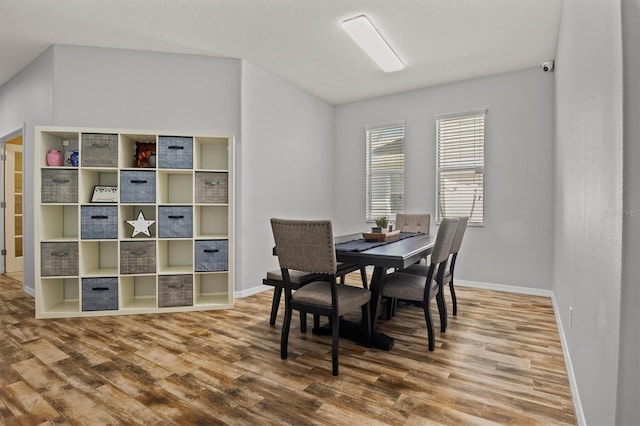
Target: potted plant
381 223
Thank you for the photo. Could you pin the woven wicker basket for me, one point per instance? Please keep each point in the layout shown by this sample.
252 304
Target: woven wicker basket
175 290
212 187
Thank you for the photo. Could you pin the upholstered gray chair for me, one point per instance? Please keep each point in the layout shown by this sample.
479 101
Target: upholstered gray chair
407 222
308 246
448 277
404 286
298 279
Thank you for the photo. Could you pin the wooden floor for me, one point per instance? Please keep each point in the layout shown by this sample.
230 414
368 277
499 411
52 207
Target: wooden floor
500 362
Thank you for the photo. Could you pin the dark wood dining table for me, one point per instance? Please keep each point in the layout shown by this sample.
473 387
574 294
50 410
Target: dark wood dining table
395 254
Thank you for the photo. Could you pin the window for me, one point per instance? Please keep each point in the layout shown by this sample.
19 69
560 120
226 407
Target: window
460 166
385 170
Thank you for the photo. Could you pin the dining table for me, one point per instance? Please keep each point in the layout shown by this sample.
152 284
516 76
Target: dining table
400 253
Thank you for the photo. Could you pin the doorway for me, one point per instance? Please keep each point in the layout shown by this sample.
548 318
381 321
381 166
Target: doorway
13 247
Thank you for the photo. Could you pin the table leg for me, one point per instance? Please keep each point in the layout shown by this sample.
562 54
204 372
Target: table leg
378 340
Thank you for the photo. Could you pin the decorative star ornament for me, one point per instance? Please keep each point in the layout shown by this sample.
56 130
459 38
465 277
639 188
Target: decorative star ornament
141 225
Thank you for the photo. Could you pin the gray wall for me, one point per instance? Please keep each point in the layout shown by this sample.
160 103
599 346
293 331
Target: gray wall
26 100
588 205
628 408
123 89
287 166
514 246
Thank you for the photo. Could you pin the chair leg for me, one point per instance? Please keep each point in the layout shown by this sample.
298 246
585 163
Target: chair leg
442 309
275 303
284 338
335 338
454 301
430 331
366 324
363 275
303 322
316 321
389 307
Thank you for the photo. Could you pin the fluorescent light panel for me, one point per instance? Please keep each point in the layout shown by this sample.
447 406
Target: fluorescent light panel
369 39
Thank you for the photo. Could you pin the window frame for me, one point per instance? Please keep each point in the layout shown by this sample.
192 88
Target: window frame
473 167
370 212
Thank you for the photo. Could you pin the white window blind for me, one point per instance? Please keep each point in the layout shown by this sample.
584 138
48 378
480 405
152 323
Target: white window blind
385 170
460 166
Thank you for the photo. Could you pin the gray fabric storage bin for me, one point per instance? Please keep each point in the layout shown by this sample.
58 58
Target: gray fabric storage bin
211 255
98 222
175 290
175 221
59 186
175 152
137 257
99 150
100 294
137 186
212 187
59 259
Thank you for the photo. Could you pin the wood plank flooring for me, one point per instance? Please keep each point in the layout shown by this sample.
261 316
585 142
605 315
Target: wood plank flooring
500 362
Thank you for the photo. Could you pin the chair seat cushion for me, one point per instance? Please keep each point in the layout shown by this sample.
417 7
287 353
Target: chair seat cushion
420 269
400 285
417 269
319 293
296 277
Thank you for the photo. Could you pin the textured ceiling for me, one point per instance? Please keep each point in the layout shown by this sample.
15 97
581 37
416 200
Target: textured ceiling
301 41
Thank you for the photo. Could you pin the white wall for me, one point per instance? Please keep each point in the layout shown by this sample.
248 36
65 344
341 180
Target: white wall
97 87
628 407
514 246
26 100
588 205
286 155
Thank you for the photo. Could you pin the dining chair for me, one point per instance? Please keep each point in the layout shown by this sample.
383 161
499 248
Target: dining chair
409 222
298 279
404 286
448 277
413 222
308 246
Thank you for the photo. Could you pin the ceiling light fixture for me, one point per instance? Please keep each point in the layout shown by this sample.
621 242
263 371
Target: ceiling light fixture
370 40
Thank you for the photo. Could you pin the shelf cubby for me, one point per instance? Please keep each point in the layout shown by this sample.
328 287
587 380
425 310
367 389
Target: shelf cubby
59 222
138 292
98 258
212 288
211 222
175 187
175 256
60 295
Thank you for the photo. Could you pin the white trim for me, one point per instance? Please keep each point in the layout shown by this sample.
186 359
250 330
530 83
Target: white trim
508 288
482 111
577 404
251 291
30 291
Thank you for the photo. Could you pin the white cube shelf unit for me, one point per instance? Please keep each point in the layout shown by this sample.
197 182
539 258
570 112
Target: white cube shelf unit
88 261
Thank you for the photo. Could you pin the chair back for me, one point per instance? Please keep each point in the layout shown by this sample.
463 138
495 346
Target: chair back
457 241
444 240
305 245
413 222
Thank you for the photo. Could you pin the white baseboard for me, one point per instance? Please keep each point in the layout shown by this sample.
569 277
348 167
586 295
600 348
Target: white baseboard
251 291
503 287
577 404
30 291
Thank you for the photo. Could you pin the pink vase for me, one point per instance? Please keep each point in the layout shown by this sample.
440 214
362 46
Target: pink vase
54 158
